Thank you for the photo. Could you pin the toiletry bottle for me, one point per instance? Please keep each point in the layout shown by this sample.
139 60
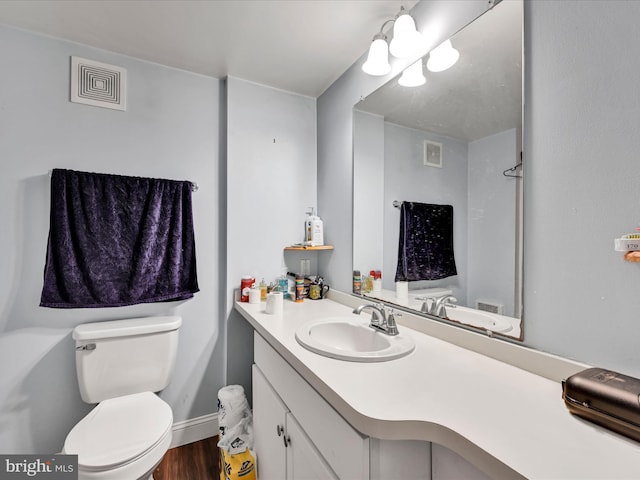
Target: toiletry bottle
307 229
317 230
246 283
377 281
369 281
284 286
263 291
299 289
314 229
357 282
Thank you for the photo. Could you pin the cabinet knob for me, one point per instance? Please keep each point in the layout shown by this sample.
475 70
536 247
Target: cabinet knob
287 440
280 431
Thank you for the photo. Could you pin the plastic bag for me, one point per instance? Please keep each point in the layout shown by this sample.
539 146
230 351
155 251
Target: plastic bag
239 466
237 460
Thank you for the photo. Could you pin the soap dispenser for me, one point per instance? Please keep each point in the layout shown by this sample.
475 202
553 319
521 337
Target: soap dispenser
314 230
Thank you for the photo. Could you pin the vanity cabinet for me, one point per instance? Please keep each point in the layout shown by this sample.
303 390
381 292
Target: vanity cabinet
319 442
285 450
298 435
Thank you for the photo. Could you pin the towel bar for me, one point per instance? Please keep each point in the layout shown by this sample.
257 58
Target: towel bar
194 185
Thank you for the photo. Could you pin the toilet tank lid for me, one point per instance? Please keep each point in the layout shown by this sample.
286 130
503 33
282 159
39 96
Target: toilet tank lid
126 327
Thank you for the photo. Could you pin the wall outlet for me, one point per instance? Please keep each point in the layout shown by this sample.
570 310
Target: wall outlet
305 266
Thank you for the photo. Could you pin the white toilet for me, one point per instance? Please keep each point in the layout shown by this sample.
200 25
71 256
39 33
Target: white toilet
120 364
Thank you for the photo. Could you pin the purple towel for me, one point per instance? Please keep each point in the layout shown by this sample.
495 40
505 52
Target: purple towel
425 250
116 240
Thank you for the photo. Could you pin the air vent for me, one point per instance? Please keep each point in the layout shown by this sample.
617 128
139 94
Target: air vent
490 307
432 154
98 84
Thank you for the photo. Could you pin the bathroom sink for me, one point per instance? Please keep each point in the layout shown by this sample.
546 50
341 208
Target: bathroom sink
475 318
353 340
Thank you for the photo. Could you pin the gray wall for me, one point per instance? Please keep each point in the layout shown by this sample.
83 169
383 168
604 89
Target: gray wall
171 130
492 220
368 191
271 180
582 60
582 174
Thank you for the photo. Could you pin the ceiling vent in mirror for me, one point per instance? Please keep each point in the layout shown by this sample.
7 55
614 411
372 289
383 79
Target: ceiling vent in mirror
98 84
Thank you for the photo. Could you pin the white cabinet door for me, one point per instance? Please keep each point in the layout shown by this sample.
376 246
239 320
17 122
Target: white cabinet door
269 422
339 444
303 460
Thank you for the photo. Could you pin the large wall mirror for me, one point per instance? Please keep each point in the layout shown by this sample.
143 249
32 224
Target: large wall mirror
455 141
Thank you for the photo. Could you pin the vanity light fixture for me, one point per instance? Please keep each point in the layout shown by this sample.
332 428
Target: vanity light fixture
406 43
413 75
406 38
378 59
442 57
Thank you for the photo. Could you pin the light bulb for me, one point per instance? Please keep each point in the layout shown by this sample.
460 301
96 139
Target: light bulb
413 76
406 41
442 57
378 59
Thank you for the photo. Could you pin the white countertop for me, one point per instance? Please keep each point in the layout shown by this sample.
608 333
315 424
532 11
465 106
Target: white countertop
500 417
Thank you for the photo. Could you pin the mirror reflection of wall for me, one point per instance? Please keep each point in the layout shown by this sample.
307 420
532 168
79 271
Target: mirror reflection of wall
473 113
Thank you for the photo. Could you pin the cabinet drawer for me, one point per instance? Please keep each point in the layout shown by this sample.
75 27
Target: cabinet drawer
344 449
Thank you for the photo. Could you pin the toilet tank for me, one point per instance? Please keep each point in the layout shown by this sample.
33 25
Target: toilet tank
122 357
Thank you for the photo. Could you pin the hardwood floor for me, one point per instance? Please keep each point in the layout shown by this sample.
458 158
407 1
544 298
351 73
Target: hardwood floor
194 461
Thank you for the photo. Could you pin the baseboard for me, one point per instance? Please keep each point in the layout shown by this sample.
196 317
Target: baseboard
194 429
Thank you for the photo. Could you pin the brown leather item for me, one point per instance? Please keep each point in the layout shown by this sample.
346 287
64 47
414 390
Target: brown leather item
609 399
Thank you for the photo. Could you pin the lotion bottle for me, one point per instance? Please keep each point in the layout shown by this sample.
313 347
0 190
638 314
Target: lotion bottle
314 229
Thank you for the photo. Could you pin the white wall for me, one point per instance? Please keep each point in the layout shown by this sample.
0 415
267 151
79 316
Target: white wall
171 130
492 218
271 180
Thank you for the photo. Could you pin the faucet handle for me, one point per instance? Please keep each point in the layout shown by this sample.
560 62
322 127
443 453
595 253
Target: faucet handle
391 325
426 308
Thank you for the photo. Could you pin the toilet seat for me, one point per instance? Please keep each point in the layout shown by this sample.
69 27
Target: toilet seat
119 431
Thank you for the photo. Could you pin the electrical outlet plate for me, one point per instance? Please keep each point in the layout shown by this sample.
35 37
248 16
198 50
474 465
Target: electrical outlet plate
305 266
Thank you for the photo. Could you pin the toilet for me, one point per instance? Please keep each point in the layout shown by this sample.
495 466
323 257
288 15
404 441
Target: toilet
120 364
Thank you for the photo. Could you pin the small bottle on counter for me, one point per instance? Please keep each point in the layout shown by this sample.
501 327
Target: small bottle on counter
357 282
284 286
377 281
369 282
299 289
246 283
263 291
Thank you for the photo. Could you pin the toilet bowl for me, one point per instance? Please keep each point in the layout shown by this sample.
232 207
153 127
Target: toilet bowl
122 438
120 364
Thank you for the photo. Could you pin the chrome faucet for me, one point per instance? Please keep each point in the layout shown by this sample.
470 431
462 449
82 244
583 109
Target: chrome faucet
380 319
438 305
